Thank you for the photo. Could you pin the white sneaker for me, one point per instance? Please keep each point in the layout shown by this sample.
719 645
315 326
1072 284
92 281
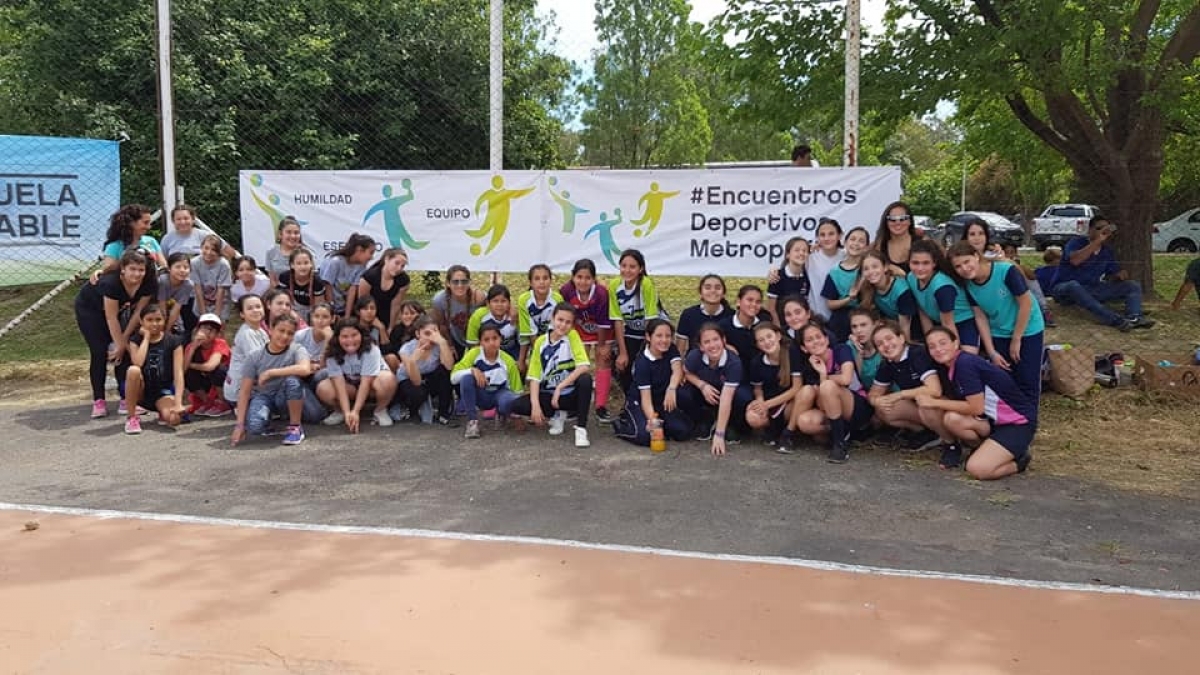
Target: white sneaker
581 438
556 422
382 418
334 419
472 429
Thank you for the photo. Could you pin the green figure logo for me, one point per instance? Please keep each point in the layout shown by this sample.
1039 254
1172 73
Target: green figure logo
653 203
499 205
269 206
604 229
569 210
393 223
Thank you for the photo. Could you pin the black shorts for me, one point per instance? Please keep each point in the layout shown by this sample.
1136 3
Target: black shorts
863 412
1016 439
153 392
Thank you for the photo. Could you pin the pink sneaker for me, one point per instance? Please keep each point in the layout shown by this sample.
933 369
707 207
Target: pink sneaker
218 409
99 409
133 425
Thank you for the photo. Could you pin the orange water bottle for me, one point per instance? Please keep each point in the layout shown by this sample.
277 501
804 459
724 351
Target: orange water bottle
658 440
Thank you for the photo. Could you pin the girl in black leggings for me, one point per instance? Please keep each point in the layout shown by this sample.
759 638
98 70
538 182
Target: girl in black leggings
107 314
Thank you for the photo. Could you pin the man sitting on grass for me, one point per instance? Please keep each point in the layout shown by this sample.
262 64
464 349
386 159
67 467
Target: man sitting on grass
1089 275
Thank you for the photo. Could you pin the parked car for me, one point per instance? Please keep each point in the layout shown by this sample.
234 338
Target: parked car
1180 234
1060 222
927 227
1004 231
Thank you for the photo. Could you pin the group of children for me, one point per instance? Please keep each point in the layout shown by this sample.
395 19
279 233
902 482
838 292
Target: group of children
940 348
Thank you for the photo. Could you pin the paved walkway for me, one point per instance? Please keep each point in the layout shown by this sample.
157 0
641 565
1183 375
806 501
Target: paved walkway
89 595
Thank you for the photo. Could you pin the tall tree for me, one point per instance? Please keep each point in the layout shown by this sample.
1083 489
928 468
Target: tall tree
645 108
285 84
1098 83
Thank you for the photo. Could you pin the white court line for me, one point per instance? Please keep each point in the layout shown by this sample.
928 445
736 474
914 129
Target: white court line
820 565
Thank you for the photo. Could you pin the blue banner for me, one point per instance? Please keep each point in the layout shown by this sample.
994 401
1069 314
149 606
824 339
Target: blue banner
56 195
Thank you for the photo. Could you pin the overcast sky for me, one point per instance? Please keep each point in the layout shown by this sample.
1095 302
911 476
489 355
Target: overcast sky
577 38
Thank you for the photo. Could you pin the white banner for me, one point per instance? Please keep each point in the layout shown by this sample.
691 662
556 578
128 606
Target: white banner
687 222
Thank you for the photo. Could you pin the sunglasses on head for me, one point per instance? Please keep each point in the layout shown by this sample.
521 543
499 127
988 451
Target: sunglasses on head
897 219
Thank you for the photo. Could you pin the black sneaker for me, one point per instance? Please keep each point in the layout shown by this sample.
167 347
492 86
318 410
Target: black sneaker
1123 325
951 456
920 441
448 422
706 432
603 416
838 454
1140 321
783 444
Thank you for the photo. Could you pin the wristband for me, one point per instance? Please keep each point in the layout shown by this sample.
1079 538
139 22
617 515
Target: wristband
718 434
672 388
239 427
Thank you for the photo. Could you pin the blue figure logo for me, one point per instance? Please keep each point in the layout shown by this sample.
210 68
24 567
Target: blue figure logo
569 210
608 245
393 223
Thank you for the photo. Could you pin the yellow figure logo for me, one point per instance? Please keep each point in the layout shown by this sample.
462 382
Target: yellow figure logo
499 206
652 202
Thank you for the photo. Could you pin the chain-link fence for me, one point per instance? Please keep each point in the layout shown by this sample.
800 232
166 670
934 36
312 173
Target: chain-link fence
340 84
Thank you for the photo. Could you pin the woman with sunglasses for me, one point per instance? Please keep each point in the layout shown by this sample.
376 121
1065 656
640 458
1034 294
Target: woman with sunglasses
895 236
453 306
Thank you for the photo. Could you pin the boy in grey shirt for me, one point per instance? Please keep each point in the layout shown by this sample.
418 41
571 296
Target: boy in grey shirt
272 382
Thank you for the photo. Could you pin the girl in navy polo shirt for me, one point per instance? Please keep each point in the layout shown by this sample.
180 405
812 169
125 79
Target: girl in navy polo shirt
1011 324
790 279
739 327
886 294
840 398
657 374
910 369
713 373
713 308
939 301
993 412
774 372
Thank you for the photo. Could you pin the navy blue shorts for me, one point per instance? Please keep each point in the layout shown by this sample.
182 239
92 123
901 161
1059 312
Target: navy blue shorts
968 333
1016 439
863 412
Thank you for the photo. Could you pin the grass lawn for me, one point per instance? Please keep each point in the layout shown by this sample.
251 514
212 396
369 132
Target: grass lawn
1123 437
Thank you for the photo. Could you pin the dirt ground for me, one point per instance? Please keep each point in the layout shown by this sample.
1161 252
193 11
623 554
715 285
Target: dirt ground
130 596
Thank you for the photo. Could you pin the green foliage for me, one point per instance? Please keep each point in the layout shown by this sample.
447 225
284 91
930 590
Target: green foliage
282 84
935 192
644 109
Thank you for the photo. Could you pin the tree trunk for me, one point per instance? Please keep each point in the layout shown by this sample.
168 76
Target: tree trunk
1132 208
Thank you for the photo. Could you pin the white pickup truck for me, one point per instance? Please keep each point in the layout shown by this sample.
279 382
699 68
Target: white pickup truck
1060 222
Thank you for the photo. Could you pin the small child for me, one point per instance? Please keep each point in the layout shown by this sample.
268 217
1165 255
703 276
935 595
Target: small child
272 384
424 373
344 267
177 293
497 312
356 372
212 276
155 376
303 284
315 338
248 280
402 332
207 359
487 377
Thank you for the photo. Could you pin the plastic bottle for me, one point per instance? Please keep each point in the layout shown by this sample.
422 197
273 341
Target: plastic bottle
658 439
